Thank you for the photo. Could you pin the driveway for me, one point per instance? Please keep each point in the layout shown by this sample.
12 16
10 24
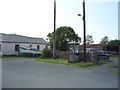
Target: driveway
28 73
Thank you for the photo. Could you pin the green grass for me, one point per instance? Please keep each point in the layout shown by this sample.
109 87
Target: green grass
62 61
115 58
115 72
104 61
65 62
113 66
54 61
79 64
118 57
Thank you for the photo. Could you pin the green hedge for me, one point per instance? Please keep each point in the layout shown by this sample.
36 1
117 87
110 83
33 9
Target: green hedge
47 53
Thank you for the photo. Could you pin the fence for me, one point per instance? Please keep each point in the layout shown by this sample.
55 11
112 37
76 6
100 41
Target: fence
91 57
62 54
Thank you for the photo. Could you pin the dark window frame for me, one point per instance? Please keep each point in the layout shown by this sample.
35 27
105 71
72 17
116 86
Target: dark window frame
17 47
30 46
38 47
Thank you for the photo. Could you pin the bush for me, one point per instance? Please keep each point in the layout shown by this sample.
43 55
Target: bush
81 58
47 53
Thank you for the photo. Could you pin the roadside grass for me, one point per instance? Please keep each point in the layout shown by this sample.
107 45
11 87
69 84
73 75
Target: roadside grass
113 66
119 58
116 58
105 61
65 62
115 72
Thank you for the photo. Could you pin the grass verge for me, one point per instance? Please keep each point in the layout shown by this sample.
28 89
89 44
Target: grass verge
61 61
115 72
65 62
113 66
115 58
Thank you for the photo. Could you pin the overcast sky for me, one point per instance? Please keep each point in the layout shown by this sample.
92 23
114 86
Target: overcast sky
34 18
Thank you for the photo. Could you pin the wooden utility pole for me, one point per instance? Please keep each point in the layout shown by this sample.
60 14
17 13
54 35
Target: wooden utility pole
54 41
84 26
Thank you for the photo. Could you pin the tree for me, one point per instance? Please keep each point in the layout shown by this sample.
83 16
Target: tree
89 39
104 40
114 42
47 53
63 36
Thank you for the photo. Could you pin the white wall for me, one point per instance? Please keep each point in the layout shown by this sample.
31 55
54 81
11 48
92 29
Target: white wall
9 48
42 47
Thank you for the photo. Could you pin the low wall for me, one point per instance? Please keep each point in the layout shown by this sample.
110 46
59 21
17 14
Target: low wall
62 54
91 57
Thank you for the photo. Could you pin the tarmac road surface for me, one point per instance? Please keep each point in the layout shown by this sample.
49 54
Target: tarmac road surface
28 73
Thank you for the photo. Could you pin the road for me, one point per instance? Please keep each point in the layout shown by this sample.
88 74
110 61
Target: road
28 73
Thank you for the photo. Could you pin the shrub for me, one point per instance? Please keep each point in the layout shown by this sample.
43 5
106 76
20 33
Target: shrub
47 53
81 58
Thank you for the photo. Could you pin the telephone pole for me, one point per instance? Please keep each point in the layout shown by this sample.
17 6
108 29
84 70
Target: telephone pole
84 26
54 41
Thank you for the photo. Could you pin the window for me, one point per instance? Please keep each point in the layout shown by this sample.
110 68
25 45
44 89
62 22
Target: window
38 48
16 47
46 46
30 46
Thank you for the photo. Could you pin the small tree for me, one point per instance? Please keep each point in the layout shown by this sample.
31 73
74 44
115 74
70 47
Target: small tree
63 36
47 53
104 40
89 39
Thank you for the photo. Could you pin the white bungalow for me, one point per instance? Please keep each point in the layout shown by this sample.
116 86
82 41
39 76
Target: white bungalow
10 43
